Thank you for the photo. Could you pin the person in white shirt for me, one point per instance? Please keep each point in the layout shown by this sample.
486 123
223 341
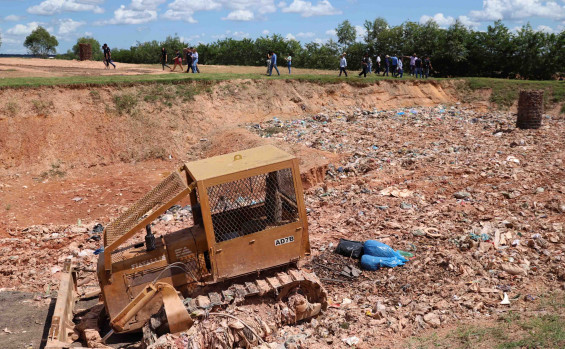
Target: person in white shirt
195 62
342 65
378 70
399 68
412 63
289 61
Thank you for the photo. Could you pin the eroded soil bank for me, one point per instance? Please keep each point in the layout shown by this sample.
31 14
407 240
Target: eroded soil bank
59 143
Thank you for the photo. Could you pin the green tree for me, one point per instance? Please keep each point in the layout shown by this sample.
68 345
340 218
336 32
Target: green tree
529 44
94 44
346 34
41 43
499 46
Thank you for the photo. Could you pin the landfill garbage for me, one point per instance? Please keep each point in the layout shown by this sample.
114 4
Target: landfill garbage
349 248
351 341
378 249
378 255
369 262
434 154
98 228
505 300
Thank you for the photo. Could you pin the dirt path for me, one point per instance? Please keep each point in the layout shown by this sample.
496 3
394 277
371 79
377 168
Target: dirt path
36 67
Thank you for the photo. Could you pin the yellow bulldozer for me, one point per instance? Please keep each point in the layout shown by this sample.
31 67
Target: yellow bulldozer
249 232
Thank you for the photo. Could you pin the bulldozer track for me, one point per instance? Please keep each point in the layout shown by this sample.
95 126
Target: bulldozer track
278 286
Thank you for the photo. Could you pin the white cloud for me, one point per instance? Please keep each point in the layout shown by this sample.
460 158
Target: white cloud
137 12
194 5
318 41
439 18
545 29
240 35
445 21
519 9
51 7
241 10
265 32
289 37
141 5
360 32
185 15
281 4
23 29
331 32
125 15
306 9
240 15
230 34
68 26
13 18
305 35
468 22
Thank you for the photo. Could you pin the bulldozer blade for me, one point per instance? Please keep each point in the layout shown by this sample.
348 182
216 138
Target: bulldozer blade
61 332
177 315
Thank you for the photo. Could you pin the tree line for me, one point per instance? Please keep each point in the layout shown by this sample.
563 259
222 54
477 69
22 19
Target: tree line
455 51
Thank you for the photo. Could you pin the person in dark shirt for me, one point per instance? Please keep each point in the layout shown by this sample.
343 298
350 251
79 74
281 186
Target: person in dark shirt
108 57
394 65
164 58
188 54
177 61
427 66
418 67
364 65
386 63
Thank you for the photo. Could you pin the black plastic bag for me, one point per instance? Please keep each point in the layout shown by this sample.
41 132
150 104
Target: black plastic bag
349 248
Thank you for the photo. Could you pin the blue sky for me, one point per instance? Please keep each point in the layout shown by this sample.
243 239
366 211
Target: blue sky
121 23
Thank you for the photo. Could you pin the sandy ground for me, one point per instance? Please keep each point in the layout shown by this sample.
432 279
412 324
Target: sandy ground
36 67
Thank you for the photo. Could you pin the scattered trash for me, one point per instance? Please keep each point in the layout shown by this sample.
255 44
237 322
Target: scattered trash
397 193
351 341
505 300
349 248
378 255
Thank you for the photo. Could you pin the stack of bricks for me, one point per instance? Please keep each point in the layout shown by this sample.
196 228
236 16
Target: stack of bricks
85 52
530 109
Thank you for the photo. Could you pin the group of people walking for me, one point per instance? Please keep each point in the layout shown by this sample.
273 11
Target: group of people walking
420 68
272 63
191 56
394 65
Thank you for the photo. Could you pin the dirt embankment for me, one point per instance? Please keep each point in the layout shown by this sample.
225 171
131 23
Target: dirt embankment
50 127
87 152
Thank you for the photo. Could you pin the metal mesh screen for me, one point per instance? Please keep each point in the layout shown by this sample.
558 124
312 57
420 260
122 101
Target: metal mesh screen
158 196
252 204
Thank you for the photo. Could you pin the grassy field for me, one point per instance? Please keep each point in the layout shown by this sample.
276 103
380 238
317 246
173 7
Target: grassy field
504 91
